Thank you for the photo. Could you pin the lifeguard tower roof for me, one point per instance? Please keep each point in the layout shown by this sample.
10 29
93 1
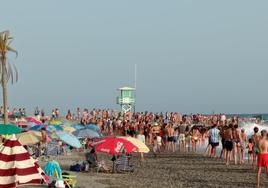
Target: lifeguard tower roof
127 89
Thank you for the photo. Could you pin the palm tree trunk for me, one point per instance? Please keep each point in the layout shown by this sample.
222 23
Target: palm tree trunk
4 90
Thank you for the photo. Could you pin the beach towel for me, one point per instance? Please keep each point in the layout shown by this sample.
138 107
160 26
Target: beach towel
52 168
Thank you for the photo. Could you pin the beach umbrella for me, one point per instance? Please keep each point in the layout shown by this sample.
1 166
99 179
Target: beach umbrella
93 127
115 145
25 124
55 122
139 144
68 123
33 120
86 133
29 138
78 126
17 168
55 128
9 129
37 127
69 139
69 129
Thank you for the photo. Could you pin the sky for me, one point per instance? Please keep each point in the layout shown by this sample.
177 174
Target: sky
192 56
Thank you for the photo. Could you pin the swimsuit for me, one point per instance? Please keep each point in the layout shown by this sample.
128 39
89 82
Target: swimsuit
170 139
263 160
256 150
215 144
182 137
195 139
228 145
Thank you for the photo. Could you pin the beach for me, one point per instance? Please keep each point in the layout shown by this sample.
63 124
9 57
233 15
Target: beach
185 170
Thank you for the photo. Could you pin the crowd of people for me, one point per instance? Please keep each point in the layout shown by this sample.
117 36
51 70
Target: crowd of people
174 132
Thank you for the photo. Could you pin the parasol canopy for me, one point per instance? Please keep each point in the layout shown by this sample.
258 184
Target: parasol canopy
16 166
139 144
69 139
9 129
115 145
86 133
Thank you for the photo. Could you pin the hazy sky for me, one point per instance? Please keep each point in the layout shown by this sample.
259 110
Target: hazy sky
192 56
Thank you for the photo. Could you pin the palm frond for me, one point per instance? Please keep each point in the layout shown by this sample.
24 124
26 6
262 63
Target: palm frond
7 73
4 32
10 72
12 50
16 73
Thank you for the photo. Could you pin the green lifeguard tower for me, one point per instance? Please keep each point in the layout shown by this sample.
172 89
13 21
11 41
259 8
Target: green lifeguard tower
127 99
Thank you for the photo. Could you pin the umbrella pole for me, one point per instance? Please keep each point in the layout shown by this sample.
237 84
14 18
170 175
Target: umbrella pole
113 167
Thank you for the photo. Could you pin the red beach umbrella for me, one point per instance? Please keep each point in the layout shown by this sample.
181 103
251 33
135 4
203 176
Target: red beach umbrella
115 145
33 120
17 167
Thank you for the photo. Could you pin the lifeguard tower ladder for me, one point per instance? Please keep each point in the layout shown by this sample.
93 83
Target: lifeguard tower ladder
127 99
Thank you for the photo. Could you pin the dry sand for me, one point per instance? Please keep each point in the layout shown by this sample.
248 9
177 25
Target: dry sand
168 170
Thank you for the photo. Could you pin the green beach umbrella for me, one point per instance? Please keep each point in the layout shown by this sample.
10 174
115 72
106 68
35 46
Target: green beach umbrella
6 129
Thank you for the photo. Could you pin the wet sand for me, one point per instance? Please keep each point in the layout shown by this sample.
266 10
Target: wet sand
168 170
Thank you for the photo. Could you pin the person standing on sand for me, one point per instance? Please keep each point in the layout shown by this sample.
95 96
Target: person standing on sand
228 143
255 139
250 151
43 143
243 136
170 134
263 155
214 135
195 138
236 142
182 144
222 134
188 137
175 138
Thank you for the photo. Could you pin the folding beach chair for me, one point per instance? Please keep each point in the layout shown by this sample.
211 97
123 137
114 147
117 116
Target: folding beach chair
69 180
122 165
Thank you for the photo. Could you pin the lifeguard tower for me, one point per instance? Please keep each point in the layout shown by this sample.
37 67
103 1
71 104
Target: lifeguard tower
127 99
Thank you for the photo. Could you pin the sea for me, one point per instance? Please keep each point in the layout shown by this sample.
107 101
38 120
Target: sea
263 117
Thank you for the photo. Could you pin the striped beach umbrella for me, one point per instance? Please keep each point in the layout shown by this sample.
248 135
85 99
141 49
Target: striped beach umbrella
17 168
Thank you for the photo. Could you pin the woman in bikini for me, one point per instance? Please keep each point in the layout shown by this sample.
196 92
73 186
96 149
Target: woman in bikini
195 138
236 142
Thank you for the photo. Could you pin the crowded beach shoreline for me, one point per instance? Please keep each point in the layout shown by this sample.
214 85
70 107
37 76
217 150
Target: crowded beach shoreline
180 155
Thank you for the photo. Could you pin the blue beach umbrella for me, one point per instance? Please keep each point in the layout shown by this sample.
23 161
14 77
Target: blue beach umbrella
93 127
86 133
78 126
69 139
37 127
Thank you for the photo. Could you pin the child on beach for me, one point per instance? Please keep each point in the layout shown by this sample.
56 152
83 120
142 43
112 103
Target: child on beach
155 145
250 151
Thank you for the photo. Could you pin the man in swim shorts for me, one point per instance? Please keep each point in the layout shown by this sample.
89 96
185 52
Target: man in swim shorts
263 155
170 134
228 143
182 137
214 136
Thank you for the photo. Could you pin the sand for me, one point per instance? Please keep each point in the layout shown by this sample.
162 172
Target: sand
168 170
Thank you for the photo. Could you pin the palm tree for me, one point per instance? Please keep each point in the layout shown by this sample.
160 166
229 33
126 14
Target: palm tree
6 70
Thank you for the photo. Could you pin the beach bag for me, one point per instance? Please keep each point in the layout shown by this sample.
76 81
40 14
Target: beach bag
75 168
